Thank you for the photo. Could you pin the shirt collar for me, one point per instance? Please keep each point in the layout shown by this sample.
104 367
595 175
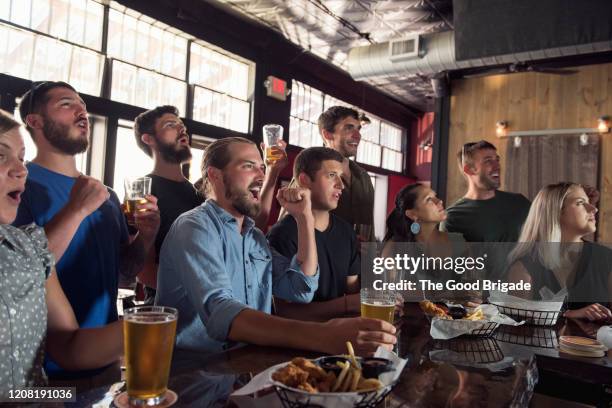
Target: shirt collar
226 217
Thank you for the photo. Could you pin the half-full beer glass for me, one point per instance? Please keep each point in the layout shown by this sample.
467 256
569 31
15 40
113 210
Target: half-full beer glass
378 304
148 333
136 189
272 135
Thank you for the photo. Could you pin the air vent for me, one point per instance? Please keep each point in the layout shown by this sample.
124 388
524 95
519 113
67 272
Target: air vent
404 49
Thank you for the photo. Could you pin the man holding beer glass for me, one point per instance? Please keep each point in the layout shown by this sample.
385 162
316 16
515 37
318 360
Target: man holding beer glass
219 272
82 218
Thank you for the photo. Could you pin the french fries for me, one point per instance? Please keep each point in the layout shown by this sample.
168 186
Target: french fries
475 315
303 374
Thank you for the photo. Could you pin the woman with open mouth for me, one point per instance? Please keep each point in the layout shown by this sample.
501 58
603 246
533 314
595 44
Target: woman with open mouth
36 314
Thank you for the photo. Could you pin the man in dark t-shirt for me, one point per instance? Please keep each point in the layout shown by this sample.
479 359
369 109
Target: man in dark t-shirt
484 213
320 170
161 134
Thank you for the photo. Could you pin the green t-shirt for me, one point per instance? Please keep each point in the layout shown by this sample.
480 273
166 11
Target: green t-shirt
498 219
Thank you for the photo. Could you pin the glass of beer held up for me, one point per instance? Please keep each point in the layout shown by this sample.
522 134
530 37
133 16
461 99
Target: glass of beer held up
378 304
136 189
148 333
272 135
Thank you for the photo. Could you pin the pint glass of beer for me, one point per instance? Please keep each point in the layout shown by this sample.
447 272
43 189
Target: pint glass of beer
378 304
272 135
148 333
136 189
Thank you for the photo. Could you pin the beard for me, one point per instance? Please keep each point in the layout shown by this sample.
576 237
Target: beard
240 199
488 182
173 154
58 136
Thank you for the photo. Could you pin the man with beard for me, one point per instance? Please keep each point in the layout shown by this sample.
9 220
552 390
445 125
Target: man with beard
82 218
161 134
484 213
217 269
340 127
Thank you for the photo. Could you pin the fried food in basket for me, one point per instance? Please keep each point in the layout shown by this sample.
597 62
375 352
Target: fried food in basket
450 314
433 309
305 375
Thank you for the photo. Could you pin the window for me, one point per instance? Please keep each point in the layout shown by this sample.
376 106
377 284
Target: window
381 142
141 87
221 94
77 21
130 161
142 41
37 57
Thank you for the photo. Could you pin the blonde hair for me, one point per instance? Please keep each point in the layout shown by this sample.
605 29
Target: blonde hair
7 122
543 225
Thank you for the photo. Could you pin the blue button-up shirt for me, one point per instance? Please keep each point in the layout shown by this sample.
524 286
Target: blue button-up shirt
210 272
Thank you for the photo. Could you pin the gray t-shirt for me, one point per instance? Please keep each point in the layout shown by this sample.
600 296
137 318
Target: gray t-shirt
25 264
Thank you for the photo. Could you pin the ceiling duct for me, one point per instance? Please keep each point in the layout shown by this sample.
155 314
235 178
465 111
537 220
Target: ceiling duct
436 54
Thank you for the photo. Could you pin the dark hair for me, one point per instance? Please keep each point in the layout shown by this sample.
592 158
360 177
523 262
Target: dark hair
466 154
330 118
217 155
37 96
309 160
7 122
145 123
398 223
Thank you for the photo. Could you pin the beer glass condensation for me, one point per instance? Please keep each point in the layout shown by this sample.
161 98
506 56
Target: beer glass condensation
378 304
148 333
136 189
272 135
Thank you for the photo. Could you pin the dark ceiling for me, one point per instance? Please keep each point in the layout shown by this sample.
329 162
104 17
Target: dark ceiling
329 29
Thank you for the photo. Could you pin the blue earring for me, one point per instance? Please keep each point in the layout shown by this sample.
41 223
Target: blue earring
415 228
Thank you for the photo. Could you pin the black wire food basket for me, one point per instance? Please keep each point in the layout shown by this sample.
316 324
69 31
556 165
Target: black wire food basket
293 398
480 351
485 330
532 336
531 317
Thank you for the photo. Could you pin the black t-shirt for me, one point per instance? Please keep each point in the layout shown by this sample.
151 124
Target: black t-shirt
173 199
336 249
498 219
590 284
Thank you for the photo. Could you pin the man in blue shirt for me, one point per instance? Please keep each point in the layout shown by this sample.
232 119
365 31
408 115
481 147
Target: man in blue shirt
217 269
82 218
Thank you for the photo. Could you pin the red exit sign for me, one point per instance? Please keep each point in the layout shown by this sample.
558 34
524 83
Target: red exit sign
276 88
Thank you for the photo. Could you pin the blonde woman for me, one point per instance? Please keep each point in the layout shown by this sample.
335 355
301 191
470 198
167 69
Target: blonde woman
35 314
552 253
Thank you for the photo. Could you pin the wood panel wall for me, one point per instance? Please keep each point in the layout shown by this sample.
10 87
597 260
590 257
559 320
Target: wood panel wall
532 101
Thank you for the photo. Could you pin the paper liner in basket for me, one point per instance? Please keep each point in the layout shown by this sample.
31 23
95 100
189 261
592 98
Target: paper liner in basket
443 329
245 396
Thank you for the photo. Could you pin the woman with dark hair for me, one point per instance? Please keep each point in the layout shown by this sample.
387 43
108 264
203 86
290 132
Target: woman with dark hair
416 216
415 219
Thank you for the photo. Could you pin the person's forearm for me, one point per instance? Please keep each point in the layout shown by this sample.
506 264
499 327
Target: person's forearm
255 327
266 197
85 349
61 229
307 247
133 257
318 311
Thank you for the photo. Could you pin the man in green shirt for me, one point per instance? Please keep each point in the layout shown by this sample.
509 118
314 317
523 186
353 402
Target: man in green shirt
340 127
484 213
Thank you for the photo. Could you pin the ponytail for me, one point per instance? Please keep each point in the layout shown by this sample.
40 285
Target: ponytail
398 223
